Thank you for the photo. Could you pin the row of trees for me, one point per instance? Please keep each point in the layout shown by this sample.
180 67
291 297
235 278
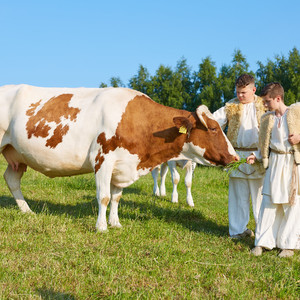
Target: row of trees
184 88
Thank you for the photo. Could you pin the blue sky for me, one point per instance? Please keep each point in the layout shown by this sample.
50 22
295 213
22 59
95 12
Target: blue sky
83 43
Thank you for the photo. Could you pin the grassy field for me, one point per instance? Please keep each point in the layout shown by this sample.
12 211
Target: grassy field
163 251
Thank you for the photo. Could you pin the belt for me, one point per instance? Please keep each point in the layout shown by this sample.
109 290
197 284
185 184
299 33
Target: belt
282 152
246 149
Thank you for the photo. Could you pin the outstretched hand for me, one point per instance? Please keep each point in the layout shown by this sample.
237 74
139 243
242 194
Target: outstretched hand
251 159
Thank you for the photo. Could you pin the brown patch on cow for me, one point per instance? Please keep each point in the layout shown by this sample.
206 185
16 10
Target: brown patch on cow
57 136
105 201
98 161
53 111
145 131
118 199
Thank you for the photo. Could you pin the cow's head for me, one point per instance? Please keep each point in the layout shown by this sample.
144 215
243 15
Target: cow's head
206 142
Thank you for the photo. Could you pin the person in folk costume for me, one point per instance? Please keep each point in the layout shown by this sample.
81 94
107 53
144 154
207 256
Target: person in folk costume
242 117
279 141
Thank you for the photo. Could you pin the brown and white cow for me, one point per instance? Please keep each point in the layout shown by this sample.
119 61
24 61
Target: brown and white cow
117 133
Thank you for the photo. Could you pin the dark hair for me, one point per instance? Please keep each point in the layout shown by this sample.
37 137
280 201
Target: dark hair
244 80
273 89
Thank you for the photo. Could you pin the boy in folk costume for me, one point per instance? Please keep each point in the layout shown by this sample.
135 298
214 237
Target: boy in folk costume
279 141
242 115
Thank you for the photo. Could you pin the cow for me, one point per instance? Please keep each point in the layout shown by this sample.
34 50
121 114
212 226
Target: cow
119 134
189 167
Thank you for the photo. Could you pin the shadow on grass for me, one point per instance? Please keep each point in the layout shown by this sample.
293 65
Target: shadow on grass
186 217
51 294
131 210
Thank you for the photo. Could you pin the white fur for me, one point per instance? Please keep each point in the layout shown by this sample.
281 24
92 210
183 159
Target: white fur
189 167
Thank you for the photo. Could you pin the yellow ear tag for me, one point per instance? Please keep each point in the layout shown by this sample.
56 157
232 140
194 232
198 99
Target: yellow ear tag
182 129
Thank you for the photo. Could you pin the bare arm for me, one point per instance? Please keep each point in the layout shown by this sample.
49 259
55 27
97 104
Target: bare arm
294 139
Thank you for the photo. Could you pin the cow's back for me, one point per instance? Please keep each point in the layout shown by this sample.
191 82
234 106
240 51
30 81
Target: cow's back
52 129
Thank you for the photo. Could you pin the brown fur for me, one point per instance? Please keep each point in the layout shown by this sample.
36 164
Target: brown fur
147 129
52 111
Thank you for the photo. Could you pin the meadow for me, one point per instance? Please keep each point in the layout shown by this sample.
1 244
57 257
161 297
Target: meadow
163 250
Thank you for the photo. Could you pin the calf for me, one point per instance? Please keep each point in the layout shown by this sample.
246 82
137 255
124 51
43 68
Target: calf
189 167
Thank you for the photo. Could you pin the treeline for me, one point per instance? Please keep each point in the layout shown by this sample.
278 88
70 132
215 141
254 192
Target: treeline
185 88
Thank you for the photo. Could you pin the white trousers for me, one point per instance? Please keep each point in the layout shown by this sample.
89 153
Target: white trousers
239 193
278 225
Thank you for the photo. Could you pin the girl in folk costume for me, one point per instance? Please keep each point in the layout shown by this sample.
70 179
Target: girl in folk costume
279 141
242 116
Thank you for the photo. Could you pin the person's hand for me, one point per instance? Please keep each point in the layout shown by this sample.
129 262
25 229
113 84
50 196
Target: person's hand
294 139
251 159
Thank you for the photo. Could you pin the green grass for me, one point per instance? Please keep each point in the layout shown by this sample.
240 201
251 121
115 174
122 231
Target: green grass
163 251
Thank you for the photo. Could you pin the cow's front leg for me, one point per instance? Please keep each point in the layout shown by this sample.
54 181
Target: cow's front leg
13 180
103 178
175 180
116 194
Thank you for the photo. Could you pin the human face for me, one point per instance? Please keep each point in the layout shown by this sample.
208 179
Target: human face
246 94
271 103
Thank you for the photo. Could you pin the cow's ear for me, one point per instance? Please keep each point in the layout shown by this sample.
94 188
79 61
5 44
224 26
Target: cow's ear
183 124
202 111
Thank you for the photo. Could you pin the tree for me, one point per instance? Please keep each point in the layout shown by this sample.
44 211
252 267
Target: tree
229 74
166 87
185 89
293 92
114 82
141 81
206 86
283 70
183 73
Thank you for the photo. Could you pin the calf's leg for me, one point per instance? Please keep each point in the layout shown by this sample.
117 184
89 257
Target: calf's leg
163 175
188 183
154 174
175 180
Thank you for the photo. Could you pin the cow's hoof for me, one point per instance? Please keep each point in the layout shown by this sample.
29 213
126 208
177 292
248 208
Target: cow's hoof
115 224
29 211
101 228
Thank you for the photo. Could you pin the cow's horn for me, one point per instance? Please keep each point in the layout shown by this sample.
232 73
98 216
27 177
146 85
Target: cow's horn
202 109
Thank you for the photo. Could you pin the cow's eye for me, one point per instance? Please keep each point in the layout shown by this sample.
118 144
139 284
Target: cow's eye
213 129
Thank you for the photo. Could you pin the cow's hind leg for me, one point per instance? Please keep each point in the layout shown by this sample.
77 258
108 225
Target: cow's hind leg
103 178
116 194
13 180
